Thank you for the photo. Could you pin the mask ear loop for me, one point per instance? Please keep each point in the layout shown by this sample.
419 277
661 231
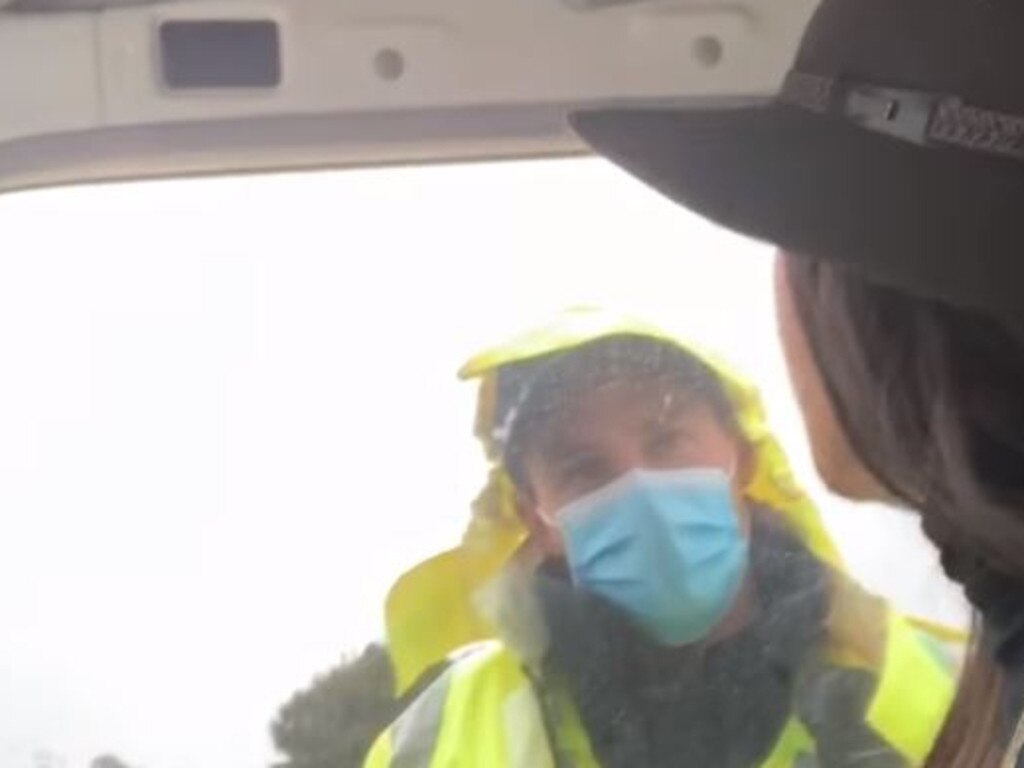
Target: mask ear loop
738 494
733 473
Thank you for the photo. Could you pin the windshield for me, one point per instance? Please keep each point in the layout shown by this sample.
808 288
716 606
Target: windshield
230 419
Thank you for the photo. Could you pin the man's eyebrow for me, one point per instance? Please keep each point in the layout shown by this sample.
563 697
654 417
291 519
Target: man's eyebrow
560 448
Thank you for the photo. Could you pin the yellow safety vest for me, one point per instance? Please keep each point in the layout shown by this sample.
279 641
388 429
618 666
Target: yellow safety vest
486 710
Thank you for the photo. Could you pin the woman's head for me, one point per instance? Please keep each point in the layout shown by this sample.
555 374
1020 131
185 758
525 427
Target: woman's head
913 400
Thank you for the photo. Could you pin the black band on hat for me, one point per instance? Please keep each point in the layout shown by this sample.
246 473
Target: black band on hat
920 117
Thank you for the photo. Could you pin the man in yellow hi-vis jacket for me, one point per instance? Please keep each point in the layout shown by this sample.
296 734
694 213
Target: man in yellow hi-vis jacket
643 584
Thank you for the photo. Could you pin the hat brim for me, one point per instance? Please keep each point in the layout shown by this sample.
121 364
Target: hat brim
943 223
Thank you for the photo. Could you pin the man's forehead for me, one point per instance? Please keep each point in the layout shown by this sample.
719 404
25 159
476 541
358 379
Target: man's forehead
624 400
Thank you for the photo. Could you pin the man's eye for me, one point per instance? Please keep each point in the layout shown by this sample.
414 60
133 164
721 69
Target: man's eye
580 472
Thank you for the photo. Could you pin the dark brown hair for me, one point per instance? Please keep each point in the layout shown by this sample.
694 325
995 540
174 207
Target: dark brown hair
931 398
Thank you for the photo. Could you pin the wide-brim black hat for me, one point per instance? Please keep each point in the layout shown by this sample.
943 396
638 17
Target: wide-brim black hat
895 146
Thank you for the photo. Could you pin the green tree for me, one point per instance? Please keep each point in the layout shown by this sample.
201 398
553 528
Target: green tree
333 722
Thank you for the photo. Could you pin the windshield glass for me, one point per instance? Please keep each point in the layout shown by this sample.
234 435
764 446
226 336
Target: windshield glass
230 419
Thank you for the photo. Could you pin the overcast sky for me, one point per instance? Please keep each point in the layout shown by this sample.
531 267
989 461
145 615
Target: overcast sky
229 418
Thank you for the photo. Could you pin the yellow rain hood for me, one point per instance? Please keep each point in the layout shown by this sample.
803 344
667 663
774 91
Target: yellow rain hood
430 610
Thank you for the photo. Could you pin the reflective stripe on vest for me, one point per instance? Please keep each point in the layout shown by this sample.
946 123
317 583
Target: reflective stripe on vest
480 711
414 735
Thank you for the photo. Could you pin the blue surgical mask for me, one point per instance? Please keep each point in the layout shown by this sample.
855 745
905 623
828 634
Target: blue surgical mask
663 546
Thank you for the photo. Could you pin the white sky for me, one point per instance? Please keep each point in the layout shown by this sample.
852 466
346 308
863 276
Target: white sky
229 418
